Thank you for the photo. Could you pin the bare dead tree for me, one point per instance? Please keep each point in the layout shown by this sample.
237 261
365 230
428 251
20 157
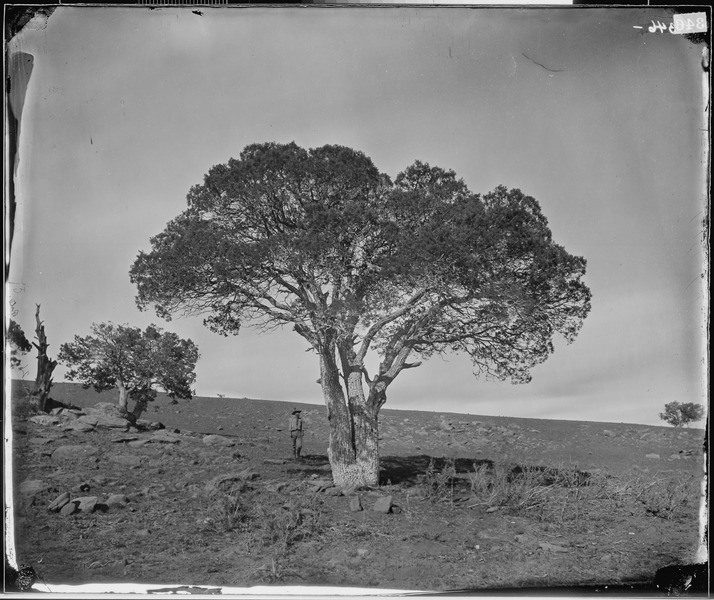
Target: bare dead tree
45 366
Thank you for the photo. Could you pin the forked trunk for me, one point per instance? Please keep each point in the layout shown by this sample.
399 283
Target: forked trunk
353 449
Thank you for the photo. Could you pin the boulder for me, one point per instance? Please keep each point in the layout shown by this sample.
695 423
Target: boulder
103 420
383 505
218 440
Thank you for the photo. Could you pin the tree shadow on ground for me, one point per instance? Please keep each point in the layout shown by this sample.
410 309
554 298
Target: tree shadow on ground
408 469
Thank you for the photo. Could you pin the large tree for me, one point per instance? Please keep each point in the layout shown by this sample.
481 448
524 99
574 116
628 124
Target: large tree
135 362
319 240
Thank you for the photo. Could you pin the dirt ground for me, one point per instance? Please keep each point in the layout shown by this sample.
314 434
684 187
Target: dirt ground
180 505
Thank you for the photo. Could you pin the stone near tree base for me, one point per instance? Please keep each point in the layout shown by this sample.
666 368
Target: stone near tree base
383 505
57 504
356 504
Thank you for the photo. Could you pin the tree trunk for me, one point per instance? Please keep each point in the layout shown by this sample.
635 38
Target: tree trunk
123 396
45 366
353 449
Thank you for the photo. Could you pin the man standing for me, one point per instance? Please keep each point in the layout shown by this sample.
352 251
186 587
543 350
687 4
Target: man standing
296 432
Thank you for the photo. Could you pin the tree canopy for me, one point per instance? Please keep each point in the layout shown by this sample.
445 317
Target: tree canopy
682 414
135 362
321 241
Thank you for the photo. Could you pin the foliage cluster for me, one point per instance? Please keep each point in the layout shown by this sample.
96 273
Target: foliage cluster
681 414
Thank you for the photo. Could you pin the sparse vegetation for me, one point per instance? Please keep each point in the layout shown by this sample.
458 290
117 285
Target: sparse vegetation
209 515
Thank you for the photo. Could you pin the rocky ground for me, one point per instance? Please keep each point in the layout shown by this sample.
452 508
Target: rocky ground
205 493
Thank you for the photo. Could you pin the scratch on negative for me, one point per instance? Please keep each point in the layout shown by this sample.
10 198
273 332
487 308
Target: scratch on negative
541 65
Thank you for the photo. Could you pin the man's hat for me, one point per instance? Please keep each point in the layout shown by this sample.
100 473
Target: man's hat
297 410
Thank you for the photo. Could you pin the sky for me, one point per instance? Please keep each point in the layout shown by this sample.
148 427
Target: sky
584 109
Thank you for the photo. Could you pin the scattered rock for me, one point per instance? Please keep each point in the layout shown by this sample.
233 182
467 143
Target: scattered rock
675 457
86 504
652 455
117 500
383 504
320 484
224 483
277 486
128 461
355 504
82 487
69 509
333 491
73 452
274 461
608 433
32 486
492 509
57 504
164 436
218 440
78 427
44 420
551 547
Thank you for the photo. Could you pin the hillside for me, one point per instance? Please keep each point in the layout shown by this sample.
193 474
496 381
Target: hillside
465 502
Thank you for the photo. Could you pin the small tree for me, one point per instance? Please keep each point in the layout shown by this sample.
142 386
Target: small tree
682 414
19 344
135 362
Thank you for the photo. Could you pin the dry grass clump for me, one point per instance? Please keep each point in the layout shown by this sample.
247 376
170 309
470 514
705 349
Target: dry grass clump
562 495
